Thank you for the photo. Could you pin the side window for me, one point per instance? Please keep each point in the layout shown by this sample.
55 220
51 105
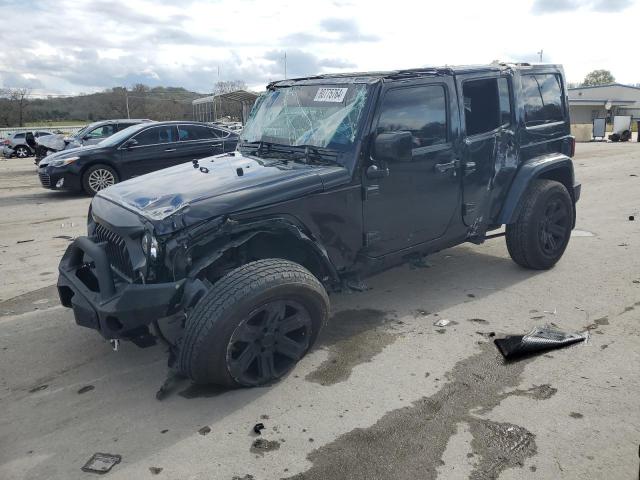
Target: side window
122 126
102 132
19 135
543 99
221 133
42 134
195 132
419 110
157 135
482 107
504 96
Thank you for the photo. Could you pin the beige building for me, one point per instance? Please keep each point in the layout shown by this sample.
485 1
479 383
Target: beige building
603 101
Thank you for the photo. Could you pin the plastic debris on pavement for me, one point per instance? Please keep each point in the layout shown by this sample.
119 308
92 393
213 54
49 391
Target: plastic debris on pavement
257 427
101 463
443 322
537 340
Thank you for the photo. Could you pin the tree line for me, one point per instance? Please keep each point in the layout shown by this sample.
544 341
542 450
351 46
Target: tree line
19 106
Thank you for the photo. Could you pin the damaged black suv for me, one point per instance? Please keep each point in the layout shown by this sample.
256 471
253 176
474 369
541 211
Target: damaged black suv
335 177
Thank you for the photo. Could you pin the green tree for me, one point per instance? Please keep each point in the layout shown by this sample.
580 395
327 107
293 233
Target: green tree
598 77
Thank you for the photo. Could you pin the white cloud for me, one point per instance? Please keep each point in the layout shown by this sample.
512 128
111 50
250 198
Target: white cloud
76 46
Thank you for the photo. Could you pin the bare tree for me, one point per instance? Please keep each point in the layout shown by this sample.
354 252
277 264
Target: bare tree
14 103
229 86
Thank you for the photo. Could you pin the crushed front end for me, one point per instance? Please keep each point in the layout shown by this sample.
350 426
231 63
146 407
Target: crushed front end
113 277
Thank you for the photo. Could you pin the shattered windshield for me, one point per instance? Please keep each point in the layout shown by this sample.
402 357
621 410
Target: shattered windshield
323 116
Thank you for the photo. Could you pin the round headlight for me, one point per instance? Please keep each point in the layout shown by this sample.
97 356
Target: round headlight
150 246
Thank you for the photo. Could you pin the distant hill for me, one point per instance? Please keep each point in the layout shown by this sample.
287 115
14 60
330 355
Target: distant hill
158 103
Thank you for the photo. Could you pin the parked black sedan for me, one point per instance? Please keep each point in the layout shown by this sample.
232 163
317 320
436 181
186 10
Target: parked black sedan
134 151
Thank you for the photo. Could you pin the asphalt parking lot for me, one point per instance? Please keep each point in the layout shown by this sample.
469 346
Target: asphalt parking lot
384 395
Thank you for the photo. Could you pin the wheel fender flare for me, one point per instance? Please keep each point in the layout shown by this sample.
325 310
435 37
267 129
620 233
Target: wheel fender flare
536 168
242 232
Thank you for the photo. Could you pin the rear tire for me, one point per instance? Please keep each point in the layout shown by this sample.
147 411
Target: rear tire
254 325
541 233
98 177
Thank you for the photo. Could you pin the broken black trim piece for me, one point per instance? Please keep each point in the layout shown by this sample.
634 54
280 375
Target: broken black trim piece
537 340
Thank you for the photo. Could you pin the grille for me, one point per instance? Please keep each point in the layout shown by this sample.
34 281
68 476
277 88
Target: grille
116 248
45 179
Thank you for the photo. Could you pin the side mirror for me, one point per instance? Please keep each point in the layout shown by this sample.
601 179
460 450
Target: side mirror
132 142
393 147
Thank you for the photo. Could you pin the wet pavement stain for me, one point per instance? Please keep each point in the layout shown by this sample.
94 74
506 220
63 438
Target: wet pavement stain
409 442
261 446
576 415
502 446
352 337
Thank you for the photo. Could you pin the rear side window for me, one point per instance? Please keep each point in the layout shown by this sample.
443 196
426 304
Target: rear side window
542 99
157 135
419 110
19 135
195 132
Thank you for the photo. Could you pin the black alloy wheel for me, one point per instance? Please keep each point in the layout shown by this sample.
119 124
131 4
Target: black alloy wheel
269 343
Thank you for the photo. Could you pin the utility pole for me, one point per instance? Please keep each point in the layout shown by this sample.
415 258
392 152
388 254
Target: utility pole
126 99
540 53
285 65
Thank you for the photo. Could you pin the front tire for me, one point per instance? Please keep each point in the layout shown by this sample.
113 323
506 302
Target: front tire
254 325
541 233
98 177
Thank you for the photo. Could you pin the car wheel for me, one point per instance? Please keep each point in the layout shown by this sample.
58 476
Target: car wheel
22 151
541 233
98 177
254 325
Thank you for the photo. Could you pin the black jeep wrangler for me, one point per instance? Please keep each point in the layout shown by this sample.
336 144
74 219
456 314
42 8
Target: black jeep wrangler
336 177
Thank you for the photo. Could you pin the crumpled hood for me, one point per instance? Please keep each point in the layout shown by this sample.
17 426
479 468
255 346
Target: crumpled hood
217 186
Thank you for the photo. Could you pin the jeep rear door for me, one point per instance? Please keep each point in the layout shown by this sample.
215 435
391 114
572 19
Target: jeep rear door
489 156
417 200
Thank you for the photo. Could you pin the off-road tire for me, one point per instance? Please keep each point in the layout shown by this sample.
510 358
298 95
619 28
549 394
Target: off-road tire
88 185
206 344
526 237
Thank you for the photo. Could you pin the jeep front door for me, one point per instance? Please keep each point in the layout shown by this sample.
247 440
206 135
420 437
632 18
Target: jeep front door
416 201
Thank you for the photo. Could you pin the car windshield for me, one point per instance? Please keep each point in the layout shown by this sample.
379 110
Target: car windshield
323 116
118 137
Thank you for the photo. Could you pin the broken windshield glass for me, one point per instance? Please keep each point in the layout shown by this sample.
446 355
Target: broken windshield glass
322 116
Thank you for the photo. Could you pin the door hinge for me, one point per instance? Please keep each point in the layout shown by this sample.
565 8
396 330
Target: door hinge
468 208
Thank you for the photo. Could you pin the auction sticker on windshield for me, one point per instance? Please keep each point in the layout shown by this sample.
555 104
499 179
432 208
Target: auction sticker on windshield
330 95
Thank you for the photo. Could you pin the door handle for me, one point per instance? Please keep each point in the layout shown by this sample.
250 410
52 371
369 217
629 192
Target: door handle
170 150
445 167
216 144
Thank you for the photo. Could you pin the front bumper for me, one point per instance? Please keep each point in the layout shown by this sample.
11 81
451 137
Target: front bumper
100 301
49 178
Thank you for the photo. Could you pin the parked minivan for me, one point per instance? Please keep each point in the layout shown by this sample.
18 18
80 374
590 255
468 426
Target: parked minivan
134 151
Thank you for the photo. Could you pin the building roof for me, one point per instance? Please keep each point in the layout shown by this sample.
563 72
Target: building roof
241 96
605 85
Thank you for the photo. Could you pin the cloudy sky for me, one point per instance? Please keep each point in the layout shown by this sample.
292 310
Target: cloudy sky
78 46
